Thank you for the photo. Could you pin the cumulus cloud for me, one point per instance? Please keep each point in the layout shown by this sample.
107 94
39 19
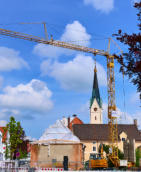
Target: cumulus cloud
10 59
76 32
73 32
76 74
123 117
102 5
48 51
128 118
24 98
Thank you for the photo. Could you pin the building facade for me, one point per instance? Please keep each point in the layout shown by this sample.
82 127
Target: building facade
3 136
55 143
92 135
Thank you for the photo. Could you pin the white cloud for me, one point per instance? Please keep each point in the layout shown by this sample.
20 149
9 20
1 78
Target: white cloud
101 5
76 32
49 51
76 74
123 117
3 123
31 97
127 118
10 59
73 32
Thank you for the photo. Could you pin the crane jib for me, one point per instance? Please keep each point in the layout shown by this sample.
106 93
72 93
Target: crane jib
112 121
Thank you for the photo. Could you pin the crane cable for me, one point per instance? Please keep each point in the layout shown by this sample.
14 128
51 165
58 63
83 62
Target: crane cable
124 104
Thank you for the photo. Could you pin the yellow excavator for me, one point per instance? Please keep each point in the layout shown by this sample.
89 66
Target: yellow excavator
97 160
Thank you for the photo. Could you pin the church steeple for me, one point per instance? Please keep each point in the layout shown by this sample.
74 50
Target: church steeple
95 102
95 91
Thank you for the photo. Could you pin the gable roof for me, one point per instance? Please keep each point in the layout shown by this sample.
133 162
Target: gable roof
95 91
4 133
101 131
58 132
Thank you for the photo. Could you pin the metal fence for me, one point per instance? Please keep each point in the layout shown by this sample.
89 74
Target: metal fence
44 166
71 165
31 166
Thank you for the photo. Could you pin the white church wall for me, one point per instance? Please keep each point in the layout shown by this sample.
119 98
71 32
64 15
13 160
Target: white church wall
96 113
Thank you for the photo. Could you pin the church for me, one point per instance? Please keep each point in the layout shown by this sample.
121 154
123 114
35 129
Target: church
95 133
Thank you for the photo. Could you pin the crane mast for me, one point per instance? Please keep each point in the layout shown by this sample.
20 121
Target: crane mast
112 120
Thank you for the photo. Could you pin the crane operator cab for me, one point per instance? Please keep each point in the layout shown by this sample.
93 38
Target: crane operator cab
95 156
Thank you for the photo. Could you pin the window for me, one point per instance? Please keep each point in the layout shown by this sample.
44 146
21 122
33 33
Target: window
95 109
94 148
123 139
94 142
95 117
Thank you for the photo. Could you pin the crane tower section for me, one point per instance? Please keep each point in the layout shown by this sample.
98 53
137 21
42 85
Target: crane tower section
112 120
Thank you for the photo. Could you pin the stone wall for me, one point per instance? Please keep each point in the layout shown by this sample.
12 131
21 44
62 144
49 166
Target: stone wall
52 155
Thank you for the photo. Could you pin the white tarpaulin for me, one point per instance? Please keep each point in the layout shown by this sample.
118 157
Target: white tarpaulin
58 132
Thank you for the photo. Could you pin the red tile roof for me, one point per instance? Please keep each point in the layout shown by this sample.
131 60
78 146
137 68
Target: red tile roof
76 120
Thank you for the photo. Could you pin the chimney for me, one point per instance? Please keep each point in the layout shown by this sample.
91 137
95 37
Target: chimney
69 122
135 122
74 115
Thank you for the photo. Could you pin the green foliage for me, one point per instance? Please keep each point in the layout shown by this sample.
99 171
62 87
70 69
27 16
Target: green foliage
16 136
106 149
120 154
23 154
138 156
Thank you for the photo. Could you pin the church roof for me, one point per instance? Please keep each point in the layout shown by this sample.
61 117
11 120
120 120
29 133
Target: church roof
101 131
95 91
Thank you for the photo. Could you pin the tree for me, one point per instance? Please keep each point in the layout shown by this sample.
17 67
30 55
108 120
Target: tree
131 60
138 156
106 150
14 140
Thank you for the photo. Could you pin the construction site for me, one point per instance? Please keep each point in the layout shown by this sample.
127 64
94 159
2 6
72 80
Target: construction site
115 133
100 141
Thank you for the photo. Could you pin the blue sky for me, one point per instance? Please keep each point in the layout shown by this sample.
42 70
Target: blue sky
40 84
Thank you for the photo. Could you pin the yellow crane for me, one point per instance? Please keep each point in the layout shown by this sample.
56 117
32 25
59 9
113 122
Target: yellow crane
112 119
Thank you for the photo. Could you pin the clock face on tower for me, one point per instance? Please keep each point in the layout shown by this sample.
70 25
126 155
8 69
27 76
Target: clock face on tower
95 109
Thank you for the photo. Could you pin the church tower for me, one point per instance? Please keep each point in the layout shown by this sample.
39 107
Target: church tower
95 102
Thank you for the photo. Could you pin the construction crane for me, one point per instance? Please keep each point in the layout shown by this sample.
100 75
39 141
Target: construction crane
112 119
